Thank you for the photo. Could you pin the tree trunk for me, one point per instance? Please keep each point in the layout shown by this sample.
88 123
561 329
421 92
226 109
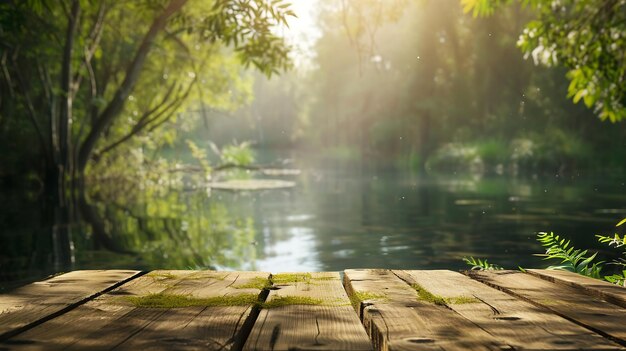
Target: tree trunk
63 161
116 105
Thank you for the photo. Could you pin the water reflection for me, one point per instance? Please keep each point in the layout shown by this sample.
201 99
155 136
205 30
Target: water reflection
332 220
336 220
295 251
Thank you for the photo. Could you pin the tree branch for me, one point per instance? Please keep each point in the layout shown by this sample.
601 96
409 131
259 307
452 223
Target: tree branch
143 123
94 37
132 75
31 110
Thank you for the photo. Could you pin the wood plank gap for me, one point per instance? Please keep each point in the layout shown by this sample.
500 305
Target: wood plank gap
307 311
531 301
186 328
5 336
246 328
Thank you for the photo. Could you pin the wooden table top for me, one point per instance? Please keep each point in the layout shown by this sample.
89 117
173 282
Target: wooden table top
357 309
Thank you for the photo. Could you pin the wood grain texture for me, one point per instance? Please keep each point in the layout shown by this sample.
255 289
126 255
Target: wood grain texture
593 313
37 302
516 322
330 325
594 287
112 322
400 321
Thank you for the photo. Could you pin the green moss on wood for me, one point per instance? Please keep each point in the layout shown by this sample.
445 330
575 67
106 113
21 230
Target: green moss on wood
255 283
161 275
211 276
163 300
427 296
286 278
461 300
280 301
359 296
325 278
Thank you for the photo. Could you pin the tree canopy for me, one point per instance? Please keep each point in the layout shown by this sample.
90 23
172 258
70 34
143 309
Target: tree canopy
588 37
83 77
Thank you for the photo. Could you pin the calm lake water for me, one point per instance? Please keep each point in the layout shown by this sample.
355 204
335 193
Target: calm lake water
335 218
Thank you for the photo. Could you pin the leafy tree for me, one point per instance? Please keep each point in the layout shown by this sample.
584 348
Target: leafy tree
588 37
84 72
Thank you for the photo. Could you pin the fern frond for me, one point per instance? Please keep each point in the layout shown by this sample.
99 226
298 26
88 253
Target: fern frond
571 259
617 279
612 240
480 264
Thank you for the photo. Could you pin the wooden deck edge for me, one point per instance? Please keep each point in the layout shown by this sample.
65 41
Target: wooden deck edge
9 334
474 276
589 290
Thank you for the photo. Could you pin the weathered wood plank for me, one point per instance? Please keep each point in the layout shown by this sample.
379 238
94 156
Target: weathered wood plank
593 313
396 319
594 287
35 303
115 321
326 323
516 322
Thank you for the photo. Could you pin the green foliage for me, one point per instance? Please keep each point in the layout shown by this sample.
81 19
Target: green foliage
585 36
617 241
493 152
240 154
480 7
456 156
126 77
617 279
553 148
248 26
612 240
573 260
480 264
199 155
